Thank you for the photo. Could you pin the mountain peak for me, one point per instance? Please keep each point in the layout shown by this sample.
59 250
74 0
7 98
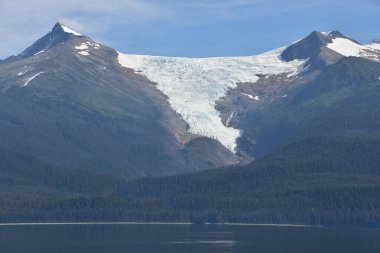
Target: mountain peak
322 48
335 34
313 47
59 34
60 27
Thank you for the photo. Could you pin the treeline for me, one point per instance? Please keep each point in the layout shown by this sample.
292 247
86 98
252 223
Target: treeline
320 181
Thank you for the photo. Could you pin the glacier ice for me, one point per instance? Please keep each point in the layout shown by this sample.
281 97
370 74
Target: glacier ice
194 85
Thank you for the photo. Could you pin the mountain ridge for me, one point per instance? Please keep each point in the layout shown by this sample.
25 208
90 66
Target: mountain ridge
86 137
82 82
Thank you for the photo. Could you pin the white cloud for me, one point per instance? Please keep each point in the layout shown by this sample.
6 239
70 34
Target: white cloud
75 25
221 4
121 21
22 22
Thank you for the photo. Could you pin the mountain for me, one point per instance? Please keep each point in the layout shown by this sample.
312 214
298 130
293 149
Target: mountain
330 58
327 174
66 101
89 133
315 48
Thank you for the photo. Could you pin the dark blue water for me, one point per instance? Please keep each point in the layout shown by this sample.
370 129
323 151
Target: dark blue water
184 238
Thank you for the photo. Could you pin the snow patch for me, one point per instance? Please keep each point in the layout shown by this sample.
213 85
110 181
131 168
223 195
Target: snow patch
40 52
193 85
68 30
346 47
228 121
31 79
374 46
257 98
83 46
21 73
248 95
93 44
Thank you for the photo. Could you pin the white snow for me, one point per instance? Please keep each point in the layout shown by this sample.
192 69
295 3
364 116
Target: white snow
31 79
93 44
228 121
84 53
68 30
374 46
83 46
21 73
40 52
346 47
257 98
248 95
193 85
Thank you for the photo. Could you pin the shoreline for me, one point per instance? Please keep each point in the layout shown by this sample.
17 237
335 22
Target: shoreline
150 223
227 224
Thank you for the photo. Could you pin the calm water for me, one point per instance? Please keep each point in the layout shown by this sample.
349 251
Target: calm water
184 238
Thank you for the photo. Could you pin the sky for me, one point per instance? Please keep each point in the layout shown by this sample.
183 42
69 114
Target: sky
190 28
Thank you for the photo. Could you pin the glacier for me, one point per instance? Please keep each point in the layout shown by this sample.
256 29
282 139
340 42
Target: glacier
194 85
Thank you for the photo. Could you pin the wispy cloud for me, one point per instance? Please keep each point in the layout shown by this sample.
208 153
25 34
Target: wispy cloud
23 21
221 4
137 24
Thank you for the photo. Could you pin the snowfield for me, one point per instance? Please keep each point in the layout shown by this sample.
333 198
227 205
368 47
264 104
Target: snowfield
194 85
374 46
348 48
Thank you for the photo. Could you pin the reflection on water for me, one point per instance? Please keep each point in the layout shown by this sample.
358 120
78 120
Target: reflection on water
115 238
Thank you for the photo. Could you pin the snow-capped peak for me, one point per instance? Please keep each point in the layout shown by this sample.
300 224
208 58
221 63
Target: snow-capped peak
69 30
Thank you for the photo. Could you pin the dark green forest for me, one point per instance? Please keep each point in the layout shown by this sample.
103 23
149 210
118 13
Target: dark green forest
329 180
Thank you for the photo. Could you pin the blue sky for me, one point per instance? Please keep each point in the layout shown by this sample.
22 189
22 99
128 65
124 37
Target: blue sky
192 28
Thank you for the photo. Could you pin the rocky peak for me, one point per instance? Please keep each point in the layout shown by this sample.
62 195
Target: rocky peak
59 34
314 47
